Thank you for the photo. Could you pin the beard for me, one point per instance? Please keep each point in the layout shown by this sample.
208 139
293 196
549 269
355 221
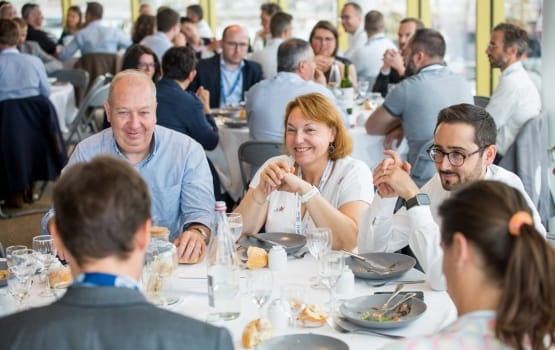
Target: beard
410 69
498 62
450 183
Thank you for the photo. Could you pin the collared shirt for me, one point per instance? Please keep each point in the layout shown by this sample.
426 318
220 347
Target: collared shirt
382 231
101 279
266 102
369 58
159 43
267 57
21 75
231 85
204 30
515 100
96 38
356 41
177 174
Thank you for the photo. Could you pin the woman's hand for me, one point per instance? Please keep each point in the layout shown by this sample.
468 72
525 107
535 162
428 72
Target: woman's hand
323 63
272 177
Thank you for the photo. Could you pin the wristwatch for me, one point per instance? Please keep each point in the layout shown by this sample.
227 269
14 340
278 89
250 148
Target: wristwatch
419 199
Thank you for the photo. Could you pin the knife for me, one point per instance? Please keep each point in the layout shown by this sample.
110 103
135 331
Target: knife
375 267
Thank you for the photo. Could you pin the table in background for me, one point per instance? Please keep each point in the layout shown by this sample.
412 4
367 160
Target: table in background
62 96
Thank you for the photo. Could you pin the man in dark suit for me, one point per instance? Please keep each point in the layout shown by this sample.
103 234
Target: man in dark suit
228 76
32 14
103 224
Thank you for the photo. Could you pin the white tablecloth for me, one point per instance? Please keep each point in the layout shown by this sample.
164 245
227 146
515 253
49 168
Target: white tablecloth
368 148
190 285
63 99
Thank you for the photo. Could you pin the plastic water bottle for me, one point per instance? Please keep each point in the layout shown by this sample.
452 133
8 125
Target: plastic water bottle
223 270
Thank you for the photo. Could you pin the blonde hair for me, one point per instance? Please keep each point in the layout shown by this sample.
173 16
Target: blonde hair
319 108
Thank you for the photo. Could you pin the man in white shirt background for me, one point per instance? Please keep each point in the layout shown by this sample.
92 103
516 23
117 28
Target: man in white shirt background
463 151
516 99
196 13
351 20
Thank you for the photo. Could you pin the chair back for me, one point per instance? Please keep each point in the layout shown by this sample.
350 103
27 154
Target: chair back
423 168
252 154
78 77
98 64
481 101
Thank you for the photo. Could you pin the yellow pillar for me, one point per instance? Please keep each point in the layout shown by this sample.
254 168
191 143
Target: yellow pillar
343 36
209 7
488 14
420 9
135 4
283 4
65 5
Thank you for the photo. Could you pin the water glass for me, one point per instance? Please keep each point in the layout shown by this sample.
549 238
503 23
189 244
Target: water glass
260 284
332 264
45 253
19 287
293 294
10 250
235 221
318 241
160 263
362 88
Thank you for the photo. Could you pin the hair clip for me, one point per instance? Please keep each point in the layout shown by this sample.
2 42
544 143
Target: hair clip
517 220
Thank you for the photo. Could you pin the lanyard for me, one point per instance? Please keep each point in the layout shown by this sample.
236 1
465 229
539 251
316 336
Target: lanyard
232 88
323 180
99 279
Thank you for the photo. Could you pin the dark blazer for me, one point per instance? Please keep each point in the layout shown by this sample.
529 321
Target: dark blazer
382 81
208 76
41 37
107 318
182 111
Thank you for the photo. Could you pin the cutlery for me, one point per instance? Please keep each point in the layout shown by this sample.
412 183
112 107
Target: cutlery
343 326
384 283
265 240
370 265
383 308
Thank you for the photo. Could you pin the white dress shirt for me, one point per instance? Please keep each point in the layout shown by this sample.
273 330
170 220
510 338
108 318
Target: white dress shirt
204 30
356 41
382 231
369 58
513 103
267 57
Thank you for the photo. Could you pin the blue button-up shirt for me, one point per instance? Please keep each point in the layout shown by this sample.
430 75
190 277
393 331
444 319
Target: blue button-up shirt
159 43
21 75
231 85
96 38
177 174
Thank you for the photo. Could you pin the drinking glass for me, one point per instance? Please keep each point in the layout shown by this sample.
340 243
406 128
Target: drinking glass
318 241
362 88
260 285
293 294
160 263
21 273
45 253
332 264
18 287
334 79
10 250
235 221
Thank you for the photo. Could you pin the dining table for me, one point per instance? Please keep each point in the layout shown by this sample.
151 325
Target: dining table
368 148
188 284
62 96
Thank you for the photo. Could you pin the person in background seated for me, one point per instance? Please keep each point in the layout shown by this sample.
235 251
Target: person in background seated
196 14
204 47
351 20
143 59
32 14
263 36
73 24
103 223
499 273
317 184
145 9
173 165
168 32
144 26
51 64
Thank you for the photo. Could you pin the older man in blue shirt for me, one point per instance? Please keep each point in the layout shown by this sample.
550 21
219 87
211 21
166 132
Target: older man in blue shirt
95 37
21 75
173 165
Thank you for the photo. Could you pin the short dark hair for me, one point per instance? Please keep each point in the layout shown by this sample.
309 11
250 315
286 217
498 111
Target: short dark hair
9 32
519 266
513 35
429 41
178 62
99 206
144 26
419 24
166 19
354 5
197 10
373 22
270 8
279 22
290 53
27 9
485 130
133 55
183 19
327 25
94 9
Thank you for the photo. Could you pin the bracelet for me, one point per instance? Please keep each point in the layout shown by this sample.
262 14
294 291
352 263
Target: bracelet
201 231
308 196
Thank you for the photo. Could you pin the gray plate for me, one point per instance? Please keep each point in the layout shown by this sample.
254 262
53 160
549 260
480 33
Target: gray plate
304 342
353 310
398 264
291 242
235 123
232 112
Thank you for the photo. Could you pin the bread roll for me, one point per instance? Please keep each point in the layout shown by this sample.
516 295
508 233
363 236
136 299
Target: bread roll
61 275
256 332
313 316
257 258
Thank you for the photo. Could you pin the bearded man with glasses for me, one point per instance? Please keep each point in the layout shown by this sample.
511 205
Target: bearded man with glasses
463 151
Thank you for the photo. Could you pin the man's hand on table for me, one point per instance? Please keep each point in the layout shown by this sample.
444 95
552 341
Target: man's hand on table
191 246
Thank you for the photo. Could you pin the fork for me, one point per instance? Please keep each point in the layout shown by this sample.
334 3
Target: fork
343 326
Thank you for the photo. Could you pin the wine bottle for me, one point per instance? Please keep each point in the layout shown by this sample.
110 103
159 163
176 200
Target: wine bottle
347 90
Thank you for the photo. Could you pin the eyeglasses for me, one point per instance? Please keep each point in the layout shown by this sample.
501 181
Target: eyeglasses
145 65
456 158
236 45
326 39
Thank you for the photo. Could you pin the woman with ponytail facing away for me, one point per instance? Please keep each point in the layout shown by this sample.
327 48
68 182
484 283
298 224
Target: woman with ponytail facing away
499 273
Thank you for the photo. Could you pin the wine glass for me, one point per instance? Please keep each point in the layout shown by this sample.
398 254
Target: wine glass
20 274
293 294
235 221
362 88
332 264
318 241
10 250
334 78
45 253
260 285
160 263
